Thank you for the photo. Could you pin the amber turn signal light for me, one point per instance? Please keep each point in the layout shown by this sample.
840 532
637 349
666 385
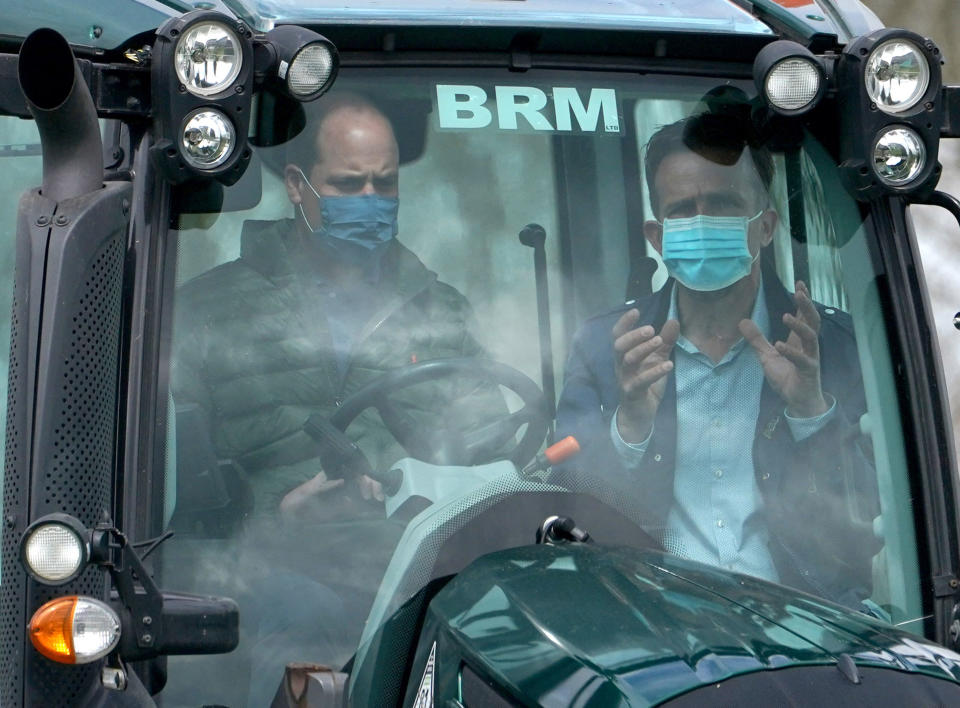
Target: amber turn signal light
74 629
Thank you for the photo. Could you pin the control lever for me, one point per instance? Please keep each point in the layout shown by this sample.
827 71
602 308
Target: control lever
553 455
339 455
535 236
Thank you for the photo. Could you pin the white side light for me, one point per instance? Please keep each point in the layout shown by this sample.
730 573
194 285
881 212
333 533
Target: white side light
208 139
310 70
792 83
54 553
897 75
899 156
208 58
96 630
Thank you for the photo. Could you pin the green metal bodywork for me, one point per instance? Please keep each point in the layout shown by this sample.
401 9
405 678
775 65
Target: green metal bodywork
550 624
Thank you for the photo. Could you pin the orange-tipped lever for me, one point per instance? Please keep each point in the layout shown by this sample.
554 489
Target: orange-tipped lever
555 454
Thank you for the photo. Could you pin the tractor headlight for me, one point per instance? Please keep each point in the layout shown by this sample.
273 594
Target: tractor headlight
305 63
899 155
897 75
55 549
792 84
310 70
207 139
208 58
791 79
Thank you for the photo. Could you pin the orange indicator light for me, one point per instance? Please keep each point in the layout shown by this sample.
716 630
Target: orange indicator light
51 629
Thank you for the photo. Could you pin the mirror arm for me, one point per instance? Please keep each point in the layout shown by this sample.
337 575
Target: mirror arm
156 622
944 201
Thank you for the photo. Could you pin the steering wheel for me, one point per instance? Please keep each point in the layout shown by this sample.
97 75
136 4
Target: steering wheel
445 444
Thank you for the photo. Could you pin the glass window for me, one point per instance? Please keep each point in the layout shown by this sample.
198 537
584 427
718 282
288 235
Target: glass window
385 234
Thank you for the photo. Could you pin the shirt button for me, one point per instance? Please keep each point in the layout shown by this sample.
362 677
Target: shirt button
830 311
720 523
657 458
718 473
765 475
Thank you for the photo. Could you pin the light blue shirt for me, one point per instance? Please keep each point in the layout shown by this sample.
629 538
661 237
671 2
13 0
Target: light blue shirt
716 515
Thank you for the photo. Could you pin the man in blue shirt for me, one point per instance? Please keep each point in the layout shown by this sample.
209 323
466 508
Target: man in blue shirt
723 405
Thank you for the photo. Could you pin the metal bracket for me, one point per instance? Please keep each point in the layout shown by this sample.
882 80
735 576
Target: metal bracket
945 585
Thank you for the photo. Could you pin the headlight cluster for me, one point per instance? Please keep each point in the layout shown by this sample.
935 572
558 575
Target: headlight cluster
887 88
900 111
897 76
206 67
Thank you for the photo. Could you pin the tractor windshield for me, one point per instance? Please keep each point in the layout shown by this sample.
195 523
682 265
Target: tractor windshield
705 322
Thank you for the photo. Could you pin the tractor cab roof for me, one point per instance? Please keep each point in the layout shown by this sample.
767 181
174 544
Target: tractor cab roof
108 24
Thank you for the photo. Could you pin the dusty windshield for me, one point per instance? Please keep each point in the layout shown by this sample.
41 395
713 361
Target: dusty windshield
715 345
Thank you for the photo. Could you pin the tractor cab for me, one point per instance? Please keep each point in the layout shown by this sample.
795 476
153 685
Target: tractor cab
473 353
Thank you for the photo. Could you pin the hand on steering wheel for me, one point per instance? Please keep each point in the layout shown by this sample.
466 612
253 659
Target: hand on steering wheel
443 444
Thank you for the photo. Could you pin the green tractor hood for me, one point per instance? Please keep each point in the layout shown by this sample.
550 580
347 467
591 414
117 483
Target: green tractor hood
584 625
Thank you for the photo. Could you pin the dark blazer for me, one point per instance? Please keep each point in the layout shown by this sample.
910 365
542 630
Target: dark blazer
820 495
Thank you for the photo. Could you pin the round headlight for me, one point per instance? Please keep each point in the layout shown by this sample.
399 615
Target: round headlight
74 629
899 155
792 84
208 58
208 139
54 553
310 70
897 75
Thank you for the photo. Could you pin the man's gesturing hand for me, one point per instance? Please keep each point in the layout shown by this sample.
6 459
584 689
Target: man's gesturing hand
642 359
793 367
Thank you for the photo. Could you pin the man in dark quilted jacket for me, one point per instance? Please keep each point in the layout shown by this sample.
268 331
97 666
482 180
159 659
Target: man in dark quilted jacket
316 307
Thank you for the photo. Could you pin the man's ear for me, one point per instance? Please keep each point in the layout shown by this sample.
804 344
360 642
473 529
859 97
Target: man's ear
293 181
768 223
653 232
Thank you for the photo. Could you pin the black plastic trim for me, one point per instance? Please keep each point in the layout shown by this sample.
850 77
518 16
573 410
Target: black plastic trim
922 390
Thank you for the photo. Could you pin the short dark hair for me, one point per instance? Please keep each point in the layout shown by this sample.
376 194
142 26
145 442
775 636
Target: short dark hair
716 137
302 147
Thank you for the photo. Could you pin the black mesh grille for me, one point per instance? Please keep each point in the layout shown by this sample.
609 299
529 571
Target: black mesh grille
11 581
77 479
83 436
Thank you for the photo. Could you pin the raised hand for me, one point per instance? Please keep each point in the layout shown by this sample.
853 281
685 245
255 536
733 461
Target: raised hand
642 361
793 367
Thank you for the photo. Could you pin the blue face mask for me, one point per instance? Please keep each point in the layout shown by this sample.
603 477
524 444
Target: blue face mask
354 226
708 253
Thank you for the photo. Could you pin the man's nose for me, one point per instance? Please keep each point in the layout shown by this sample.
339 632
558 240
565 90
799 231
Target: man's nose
368 188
